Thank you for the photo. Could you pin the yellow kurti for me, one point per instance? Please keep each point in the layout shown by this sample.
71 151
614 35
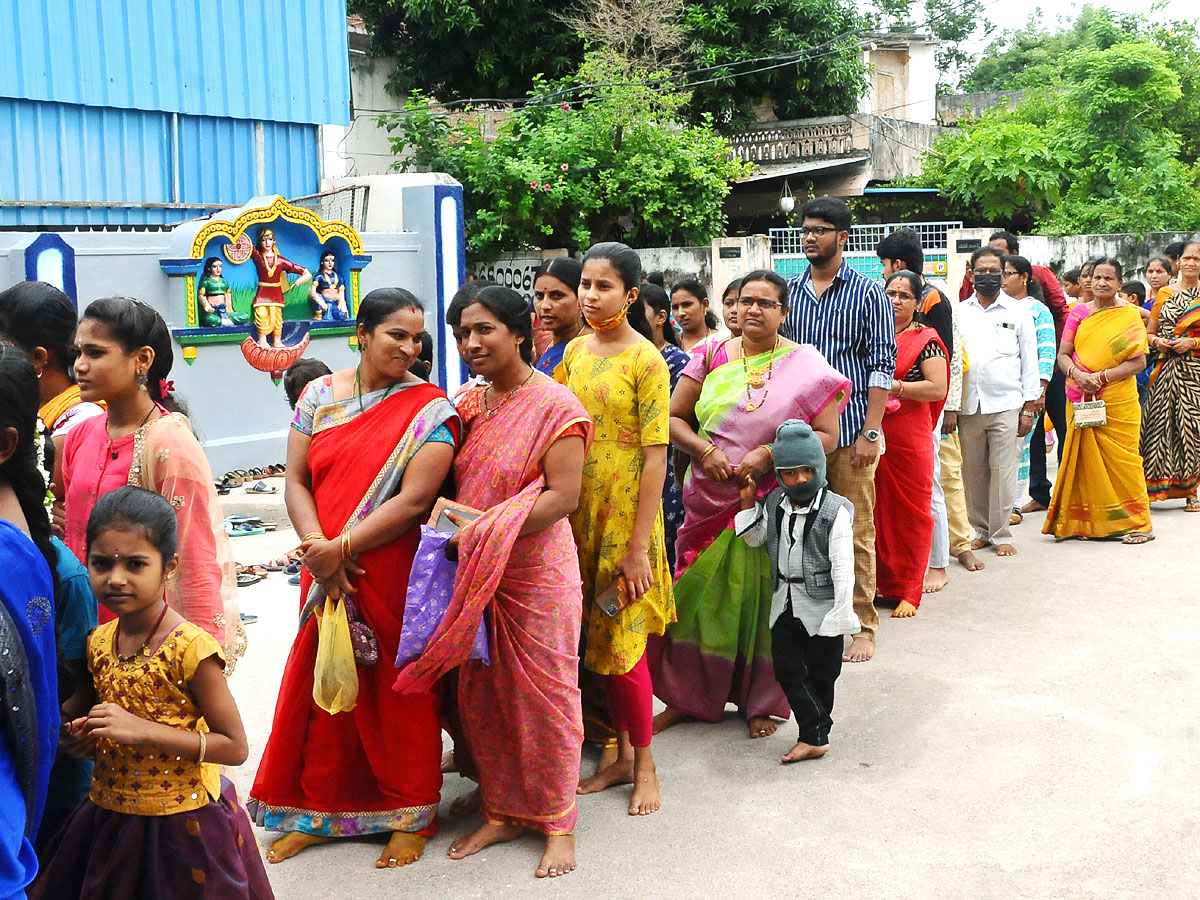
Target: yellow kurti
628 397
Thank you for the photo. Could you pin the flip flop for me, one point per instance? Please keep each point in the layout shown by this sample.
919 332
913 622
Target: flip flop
261 487
292 568
248 619
233 529
241 519
245 579
295 579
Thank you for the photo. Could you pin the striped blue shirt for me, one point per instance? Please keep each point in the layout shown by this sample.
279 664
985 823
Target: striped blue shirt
853 326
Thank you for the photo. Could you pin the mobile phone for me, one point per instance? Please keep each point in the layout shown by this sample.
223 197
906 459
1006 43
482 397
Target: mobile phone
612 599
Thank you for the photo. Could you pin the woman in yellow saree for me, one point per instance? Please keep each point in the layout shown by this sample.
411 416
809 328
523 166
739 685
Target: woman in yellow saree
1101 490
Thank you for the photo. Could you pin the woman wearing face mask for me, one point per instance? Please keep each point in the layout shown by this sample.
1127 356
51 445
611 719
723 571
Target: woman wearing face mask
623 382
724 415
904 479
1172 421
556 302
1101 489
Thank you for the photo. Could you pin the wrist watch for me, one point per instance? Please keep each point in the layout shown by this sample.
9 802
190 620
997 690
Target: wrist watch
871 434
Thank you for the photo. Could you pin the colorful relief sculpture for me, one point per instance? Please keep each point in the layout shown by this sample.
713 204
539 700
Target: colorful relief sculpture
273 360
216 303
273 270
328 292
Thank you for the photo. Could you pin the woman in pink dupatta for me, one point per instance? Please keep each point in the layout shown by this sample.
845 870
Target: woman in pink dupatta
522 463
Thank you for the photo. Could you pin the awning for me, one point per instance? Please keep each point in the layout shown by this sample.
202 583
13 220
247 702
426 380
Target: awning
780 170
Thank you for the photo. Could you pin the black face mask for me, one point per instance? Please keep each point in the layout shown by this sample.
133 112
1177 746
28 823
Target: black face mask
988 284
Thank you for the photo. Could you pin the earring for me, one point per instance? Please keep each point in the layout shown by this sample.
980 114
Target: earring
141 380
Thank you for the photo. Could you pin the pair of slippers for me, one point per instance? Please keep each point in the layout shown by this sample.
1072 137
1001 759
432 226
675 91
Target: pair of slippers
261 487
240 526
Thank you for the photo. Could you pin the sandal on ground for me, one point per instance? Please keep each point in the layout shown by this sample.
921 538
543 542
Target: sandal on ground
292 568
241 519
1140 537
1016 518
294 579
261 487
245 579
241 529
248 619
1191 505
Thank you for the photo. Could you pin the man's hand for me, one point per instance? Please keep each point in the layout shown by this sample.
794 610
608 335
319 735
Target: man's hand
866 453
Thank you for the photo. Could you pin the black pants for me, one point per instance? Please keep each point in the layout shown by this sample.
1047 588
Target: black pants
1056 408
806 667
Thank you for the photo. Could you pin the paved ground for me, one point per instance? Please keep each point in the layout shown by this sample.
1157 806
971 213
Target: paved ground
1032 733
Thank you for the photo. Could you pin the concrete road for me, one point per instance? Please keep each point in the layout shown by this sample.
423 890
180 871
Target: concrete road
1031 733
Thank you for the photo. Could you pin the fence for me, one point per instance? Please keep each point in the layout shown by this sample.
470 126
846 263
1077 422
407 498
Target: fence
787 247
344 204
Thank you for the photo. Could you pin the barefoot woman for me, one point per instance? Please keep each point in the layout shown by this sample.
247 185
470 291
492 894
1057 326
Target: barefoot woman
522 461
369 448
622 381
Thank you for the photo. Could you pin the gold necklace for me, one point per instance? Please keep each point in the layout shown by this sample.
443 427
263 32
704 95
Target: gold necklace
755 378
487 410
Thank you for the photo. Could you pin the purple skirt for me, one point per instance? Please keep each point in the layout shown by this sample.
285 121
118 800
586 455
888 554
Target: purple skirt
206 853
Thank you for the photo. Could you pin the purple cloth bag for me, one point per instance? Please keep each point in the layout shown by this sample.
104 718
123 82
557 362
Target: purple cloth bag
430 587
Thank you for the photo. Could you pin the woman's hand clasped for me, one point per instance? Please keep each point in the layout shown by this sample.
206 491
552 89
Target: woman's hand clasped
323 559
716 466
754 466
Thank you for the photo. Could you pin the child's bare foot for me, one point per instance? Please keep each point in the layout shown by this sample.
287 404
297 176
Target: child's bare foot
483 836
969 561
935 580
401 850
861 649
466 805
1006 550
291 844
666 719
646 799
761 726
904 610
620 772
559 858
804 751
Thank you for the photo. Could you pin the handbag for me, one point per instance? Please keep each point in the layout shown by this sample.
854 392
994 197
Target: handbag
362 635
335 676
430 587
1090 413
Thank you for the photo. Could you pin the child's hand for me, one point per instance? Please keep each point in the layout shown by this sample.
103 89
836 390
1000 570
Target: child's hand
73 742
748 493
111 722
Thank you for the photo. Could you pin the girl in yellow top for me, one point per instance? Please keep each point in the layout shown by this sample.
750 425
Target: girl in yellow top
160 820
624 384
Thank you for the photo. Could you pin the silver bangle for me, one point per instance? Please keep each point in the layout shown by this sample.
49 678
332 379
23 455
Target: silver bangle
203 747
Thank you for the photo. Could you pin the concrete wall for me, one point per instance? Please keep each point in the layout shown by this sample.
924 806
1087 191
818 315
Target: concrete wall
364 147
953 108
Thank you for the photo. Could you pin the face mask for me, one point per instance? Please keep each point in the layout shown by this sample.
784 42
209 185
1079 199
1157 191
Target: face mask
988 285
608 324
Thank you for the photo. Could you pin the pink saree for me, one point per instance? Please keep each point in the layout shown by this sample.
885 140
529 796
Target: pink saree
521 715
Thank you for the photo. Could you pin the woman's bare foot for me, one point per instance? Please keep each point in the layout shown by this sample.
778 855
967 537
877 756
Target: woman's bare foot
761 726
904 610
978 544
402 849
466 805
646 799
448 763
620 772
483 836
861 649
804 751
969 561
935 580
608 756
1006 550
666 719
559 858
292 843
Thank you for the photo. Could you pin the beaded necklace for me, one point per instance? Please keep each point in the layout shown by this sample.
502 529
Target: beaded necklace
757 378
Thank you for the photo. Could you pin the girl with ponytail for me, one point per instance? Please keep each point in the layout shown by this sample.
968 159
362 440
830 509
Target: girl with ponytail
144 439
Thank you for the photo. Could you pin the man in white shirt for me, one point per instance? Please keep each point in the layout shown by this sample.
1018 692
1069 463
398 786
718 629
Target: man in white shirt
1001 389
808 530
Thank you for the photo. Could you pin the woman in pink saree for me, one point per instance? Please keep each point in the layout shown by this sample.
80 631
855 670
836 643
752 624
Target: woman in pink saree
521 463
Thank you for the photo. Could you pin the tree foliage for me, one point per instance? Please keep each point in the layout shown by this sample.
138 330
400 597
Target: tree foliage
952 22
616 163
458 49
1091 149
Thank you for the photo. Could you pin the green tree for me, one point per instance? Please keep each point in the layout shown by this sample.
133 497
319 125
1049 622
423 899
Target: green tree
619 162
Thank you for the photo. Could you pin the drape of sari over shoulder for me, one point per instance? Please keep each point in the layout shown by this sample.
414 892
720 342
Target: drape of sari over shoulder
719 650
1100 490
521 715
374 768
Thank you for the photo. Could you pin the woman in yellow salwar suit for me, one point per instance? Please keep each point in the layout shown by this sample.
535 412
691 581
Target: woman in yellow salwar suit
1100 491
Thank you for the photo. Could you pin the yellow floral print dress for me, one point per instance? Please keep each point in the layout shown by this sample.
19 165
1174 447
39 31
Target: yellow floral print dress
627 396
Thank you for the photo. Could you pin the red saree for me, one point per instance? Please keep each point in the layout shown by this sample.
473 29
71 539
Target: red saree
521 715
904 482
374 768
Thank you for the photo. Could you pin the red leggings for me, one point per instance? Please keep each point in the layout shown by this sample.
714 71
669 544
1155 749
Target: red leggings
631 702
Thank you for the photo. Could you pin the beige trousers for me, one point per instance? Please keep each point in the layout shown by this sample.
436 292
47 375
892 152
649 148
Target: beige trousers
950 457
989 452
858 486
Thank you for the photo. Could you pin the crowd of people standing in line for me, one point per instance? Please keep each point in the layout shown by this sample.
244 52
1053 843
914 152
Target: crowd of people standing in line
739 498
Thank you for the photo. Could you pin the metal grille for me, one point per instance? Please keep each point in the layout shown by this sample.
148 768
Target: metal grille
346 204
864 238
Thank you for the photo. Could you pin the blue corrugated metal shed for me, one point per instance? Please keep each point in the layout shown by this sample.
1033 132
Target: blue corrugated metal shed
280 61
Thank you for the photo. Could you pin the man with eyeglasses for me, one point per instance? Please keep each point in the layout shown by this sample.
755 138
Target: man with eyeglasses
1002 388
846 316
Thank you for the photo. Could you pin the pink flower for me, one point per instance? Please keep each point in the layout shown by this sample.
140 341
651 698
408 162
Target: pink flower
564 167
565 107
545 187
534 185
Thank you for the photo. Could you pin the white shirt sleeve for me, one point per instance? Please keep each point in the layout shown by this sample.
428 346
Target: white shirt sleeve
1031 384
751 526
841 618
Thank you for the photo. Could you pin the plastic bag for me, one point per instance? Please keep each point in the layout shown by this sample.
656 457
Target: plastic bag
335 677
430 587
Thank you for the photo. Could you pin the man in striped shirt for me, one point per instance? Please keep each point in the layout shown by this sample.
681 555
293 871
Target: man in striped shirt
848 318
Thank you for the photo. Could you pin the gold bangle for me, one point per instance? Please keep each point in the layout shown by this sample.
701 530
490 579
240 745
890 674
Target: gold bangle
313 536
203 748
704 455
346 543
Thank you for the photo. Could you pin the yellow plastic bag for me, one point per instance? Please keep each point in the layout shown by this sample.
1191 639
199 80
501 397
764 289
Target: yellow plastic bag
335 676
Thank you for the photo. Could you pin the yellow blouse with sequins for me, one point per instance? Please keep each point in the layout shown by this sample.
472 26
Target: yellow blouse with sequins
144 779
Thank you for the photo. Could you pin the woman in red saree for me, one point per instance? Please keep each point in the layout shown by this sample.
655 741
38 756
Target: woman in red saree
521 462
904 478
369 450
